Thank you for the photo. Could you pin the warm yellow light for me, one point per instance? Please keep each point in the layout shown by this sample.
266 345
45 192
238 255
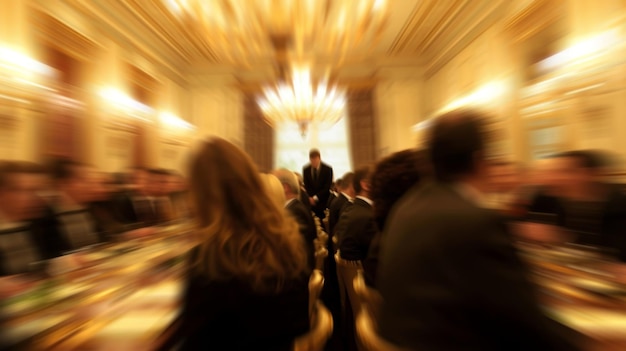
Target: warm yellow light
172 121
124 103
585 50
301 102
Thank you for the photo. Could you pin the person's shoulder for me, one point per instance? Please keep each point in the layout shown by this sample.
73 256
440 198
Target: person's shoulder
297 205
326 165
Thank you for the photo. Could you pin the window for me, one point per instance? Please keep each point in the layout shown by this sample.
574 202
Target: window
292 149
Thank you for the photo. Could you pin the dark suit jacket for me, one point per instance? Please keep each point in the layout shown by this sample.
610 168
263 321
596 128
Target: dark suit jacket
229 315
43 236
355 230
138 214
303 216
319 188
451 279
334 211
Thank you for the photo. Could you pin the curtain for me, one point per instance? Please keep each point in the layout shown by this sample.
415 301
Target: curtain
361 127
258 136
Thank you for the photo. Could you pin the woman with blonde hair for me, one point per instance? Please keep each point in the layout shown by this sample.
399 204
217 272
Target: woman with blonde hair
247 283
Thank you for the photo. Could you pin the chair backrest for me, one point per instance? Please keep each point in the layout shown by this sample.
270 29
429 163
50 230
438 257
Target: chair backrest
369 296
316 283
346 272
367 336
321 330
320 255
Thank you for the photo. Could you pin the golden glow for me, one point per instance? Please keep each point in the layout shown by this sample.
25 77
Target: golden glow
121 108
303 103
242 30
23 78
173 122
585 51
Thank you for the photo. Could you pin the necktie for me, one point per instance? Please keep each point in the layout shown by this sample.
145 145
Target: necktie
315 171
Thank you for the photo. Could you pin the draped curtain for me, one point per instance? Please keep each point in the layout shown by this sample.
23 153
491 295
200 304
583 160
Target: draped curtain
361 127
258 136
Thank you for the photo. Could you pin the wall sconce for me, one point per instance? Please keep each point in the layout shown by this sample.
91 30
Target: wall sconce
585 52
23 80
122 110
174 129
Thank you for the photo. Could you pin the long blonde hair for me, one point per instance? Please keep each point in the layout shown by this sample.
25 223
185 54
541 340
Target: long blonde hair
243 233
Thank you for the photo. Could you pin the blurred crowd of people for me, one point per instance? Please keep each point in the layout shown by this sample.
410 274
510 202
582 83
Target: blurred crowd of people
51 211
433 231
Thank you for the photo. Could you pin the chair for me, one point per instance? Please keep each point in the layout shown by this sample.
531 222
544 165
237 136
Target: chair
346 272
368 296
316 283
323 237
367 335
321 330
320 255
321 318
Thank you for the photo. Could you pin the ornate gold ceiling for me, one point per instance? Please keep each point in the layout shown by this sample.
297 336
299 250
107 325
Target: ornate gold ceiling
426 33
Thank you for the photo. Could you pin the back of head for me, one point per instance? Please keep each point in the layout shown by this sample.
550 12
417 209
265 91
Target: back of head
392 177
64 170
19 183
274 189
456 144
288 179
361 179
338 184
346 181
8 169
244 233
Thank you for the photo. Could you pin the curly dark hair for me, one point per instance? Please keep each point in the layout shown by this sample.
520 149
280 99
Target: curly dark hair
393 176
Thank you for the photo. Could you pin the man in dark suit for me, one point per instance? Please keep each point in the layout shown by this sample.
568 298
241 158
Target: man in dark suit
344 198
27 231
298 211
449 274
355 229
318 177
356 226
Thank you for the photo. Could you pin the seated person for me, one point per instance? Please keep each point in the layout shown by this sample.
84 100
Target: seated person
356 227
142 204
343 199
247 282
25 236
102 206
75 184
298 211
179 196
392 178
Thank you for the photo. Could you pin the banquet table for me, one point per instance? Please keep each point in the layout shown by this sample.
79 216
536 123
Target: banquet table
121 298
583 291
126 295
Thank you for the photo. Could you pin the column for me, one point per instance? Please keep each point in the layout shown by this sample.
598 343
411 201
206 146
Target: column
399 107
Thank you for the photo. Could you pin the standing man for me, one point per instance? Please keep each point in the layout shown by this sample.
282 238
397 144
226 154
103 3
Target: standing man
449 274
318 178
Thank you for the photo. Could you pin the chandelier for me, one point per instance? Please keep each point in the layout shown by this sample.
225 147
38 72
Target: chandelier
255 34
301 102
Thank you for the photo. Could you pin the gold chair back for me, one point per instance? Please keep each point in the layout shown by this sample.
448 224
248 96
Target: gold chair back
316 283
369 296
321 330
320 255
367 336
